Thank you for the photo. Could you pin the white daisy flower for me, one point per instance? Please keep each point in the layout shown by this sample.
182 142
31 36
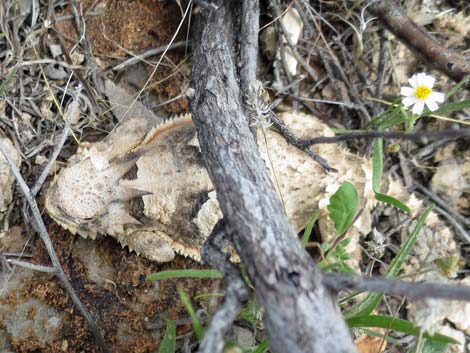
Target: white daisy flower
421 93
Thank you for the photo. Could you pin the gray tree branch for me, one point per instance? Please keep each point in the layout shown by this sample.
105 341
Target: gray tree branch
288 285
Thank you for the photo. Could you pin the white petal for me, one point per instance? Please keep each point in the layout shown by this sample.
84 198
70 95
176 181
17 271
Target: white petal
431 104
407 91
437 96
407 101
418 107
421 78
413 81
428 81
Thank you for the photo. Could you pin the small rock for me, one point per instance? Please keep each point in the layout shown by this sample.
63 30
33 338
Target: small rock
243 336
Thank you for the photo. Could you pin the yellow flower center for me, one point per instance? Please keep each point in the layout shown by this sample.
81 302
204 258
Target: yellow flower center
422 92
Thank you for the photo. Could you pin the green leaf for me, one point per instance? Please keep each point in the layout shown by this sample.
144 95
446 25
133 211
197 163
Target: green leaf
198 328
263 346
308 230
430 346
158 276
399 325
168 344
390 114
343 207
448 265
377 164
373 299
392 201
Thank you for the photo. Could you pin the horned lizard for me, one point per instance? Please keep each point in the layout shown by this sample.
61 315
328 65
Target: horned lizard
152 193
145 185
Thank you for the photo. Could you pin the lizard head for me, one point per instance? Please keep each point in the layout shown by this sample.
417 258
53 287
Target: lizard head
87 197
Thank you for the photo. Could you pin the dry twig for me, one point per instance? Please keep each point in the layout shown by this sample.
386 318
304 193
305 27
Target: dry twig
414 136
152 52
339 281
236 296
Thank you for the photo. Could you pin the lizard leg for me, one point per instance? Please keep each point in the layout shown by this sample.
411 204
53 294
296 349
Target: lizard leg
155 246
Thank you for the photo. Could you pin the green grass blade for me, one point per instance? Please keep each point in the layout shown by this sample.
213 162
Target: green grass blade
395 266
158 276
168 344
392 201
309 228
388 114
380 335
449 108
377 172
198 328
399 325
7 81
263 347
377 164
209 295
396 119
373 299
459 85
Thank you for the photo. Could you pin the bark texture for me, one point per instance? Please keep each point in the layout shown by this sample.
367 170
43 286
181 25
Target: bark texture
301 314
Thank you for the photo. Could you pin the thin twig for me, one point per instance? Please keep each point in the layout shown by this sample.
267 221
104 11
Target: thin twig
50 250
415 136
294 140
439 201
249 53
65 132
412 290
34 267
50 61
382 64
457 226
152 52
236 296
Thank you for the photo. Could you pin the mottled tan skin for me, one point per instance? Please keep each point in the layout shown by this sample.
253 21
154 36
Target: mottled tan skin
147 187
6 175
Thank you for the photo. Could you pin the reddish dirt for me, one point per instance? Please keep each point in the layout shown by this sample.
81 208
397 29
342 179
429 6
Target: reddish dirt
122 309
136 26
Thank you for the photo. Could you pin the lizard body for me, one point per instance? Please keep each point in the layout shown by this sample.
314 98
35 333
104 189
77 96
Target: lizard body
169 204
